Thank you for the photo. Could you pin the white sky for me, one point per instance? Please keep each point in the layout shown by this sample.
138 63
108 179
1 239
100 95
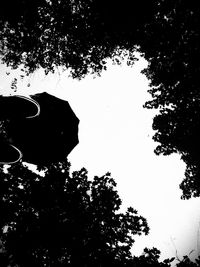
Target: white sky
115 135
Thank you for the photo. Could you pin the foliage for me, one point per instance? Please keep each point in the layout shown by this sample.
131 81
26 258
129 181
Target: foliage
79 35
60 219
150 258
186 262
171 46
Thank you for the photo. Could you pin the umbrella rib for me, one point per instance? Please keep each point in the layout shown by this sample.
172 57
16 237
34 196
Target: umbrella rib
34 102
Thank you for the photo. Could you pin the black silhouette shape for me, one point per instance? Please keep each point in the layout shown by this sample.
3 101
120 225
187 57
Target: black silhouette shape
171 44
78 35
13 108
64 219
49 137
81 35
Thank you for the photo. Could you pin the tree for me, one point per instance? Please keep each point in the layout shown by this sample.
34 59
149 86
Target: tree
186 262
150 258
60 219
79 35
171 46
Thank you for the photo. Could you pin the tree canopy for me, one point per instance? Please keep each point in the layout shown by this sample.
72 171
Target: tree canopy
80 35
60 219
78 216
172 47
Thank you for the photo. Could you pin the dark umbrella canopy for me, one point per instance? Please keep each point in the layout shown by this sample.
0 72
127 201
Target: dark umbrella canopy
48 137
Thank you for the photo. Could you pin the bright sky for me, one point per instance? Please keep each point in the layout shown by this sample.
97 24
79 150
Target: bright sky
115 135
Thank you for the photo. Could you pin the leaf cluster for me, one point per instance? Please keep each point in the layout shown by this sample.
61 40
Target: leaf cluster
76 35
60 219
171 45
81 35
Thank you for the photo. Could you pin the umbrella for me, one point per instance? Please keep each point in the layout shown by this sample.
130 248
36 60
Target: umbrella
48 137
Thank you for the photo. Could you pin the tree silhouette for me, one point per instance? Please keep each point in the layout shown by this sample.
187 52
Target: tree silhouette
47 221
150 258
81 35
60 219
48 137
186 262
171 46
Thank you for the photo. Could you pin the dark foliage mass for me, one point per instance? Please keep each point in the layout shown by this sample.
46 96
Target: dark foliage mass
172 47
64 220
80 35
